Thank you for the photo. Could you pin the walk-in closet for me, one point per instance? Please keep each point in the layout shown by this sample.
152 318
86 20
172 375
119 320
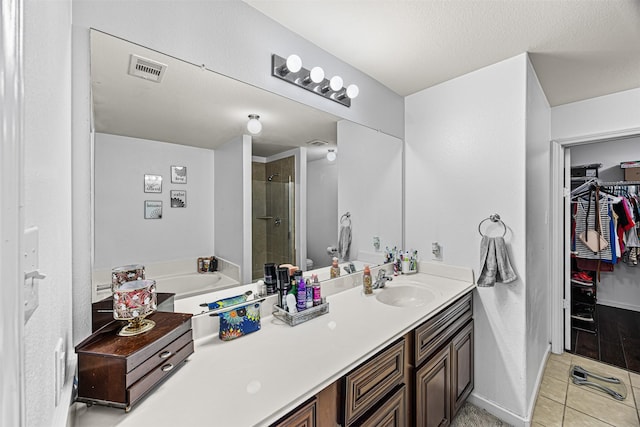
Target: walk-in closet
605 251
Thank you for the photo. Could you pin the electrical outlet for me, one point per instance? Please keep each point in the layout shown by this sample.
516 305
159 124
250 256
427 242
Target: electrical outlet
376 243
436 250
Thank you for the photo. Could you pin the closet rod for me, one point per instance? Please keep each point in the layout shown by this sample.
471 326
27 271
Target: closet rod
618 183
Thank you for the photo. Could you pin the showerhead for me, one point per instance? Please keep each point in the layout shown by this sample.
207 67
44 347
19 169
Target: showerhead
272 176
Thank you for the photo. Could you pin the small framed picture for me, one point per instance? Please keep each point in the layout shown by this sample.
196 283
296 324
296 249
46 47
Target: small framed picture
153 209
153 184
179 174
178 199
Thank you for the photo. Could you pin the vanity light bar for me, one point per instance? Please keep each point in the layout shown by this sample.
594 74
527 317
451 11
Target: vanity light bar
302 78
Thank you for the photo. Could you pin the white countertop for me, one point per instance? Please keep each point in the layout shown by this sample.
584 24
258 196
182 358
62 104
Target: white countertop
256 379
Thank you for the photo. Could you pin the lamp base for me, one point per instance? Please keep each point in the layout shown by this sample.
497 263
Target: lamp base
136 326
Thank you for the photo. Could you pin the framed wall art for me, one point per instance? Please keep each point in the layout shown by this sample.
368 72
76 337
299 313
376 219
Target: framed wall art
178 199
179 174
153 209
153 183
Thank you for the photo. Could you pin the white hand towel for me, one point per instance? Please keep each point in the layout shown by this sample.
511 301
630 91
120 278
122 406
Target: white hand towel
494 262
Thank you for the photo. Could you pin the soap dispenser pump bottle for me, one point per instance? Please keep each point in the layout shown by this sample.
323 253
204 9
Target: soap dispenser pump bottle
367 281
335 268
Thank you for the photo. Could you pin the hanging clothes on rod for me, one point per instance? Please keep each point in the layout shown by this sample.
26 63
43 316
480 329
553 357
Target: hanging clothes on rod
610 212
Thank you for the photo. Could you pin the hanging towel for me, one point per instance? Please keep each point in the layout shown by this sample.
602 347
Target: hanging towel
494 262
344 242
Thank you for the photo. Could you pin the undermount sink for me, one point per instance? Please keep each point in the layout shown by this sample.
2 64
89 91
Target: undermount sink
405 296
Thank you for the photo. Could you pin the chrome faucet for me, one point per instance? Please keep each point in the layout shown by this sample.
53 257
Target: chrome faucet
381 279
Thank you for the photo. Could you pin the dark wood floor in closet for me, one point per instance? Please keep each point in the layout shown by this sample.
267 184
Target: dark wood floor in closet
617 341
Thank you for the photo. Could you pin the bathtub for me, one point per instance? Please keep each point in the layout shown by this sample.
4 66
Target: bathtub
191 284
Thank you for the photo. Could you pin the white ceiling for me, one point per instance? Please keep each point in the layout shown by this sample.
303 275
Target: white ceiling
579 48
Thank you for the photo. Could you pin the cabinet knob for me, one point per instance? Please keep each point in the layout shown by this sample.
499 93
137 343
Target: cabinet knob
164 354
167 367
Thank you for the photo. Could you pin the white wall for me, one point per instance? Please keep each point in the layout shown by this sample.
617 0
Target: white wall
370 177
620 288
47 201
464 160
232 188
322 210
609 113
122 234
538 288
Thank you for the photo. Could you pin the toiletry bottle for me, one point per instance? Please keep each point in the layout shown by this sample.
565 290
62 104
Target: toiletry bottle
335 268
309 293
270 278
366 281
317 296
302 295
284 284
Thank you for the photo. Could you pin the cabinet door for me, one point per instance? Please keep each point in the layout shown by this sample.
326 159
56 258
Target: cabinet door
302 417
433 391
461 367
393 413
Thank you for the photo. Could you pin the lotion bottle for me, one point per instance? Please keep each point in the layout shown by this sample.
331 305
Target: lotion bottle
335 268
367 281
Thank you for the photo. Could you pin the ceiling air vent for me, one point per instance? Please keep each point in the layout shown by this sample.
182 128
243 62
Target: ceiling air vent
146 68
317 143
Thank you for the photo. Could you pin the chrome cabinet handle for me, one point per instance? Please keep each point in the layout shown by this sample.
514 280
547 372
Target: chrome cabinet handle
164 354
167 367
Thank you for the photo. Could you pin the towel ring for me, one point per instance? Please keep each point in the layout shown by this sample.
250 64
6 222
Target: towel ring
492 218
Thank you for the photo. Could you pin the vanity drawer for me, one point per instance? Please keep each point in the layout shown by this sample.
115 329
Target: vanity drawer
369 383
436 331
139 389
158 358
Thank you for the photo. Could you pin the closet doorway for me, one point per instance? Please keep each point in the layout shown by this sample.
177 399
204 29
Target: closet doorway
602 288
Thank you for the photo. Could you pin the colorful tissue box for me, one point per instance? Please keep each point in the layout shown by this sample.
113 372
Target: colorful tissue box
239 321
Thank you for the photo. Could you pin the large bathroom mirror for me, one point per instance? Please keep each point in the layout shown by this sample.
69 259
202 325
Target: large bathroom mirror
171 151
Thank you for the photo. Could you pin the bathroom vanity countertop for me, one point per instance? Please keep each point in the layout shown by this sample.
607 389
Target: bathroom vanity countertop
256 379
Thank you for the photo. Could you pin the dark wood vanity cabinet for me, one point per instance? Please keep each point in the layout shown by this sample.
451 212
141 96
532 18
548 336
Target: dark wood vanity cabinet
444 361
422 379
118 371
375 393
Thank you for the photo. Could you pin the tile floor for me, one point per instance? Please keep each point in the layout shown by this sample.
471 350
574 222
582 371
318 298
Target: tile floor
562 403
617 341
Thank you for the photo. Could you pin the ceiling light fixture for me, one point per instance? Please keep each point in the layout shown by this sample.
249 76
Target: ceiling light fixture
253 125
292 71
331 155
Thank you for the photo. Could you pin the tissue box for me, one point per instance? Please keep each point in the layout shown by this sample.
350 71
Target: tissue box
239 320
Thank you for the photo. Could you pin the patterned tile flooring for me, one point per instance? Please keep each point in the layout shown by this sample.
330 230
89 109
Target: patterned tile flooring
562 403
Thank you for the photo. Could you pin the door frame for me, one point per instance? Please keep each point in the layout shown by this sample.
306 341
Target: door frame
559 243
12 391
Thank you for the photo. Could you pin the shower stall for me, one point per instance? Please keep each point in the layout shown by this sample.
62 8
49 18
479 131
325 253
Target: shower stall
273 201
